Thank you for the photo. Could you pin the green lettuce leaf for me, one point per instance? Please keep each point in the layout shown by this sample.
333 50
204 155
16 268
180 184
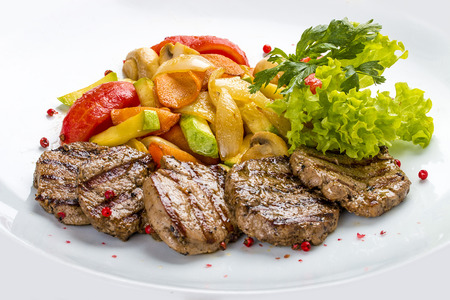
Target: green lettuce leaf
356 123
411 105
380 50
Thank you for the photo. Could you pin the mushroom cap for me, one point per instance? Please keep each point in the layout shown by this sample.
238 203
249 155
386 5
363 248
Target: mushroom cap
169 51
265 144
142 62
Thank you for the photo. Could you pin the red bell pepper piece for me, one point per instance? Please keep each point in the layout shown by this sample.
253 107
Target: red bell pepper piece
207 44
91 113
313 82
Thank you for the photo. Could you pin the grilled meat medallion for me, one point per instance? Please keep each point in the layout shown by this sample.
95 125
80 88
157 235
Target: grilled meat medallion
271 204
121 170
186 207
367 187
55 179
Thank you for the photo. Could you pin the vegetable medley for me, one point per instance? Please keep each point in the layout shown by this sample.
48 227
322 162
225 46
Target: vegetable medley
196 98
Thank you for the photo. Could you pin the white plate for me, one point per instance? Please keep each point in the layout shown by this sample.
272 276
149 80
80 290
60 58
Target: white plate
52 47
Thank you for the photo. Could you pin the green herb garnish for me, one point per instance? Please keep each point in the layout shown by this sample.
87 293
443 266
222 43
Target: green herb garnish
339 40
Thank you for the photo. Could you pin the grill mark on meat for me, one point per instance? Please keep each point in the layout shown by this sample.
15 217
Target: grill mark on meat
198 213
167 204
68 166
367 187
271 204
116 172
57 202
389 180
78 153
220 208
55 179
122 170
108 176
112 158
63 181
182 201
112 202
348 166
133 217
299 219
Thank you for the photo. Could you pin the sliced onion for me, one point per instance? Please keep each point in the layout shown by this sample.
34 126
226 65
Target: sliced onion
201 107
239 90
229 127
184 63
213 91
282 124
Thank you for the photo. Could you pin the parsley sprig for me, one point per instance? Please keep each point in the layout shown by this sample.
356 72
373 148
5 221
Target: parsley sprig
341 39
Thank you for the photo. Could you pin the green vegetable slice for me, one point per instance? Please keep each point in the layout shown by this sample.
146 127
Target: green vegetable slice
70 98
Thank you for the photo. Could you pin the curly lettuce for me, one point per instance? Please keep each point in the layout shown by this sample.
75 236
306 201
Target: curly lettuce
357 123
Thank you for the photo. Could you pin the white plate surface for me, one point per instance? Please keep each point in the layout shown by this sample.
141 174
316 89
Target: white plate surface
53 47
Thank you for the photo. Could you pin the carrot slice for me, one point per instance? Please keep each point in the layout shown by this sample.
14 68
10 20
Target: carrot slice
158 150
175 136
177 89
220 61
166 118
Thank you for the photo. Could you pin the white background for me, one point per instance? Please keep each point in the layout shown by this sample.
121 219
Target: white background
51 47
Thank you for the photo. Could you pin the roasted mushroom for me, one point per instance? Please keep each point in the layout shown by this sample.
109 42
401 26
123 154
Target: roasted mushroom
265 144
170 51
142 62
